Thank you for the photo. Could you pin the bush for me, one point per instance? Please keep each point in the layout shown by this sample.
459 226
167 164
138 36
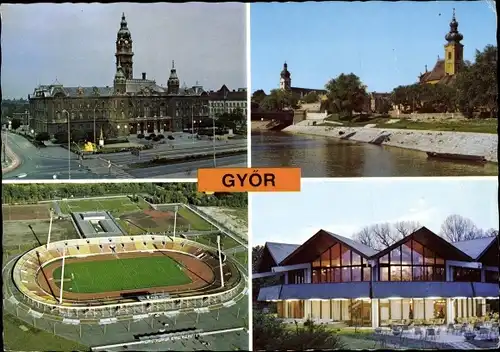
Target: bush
270 333
152 135
140 136
148 138
171 137
156 139
161 136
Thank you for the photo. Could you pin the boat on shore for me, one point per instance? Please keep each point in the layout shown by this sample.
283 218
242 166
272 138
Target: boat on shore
458 157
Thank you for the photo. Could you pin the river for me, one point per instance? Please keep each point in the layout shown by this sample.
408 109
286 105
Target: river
329 157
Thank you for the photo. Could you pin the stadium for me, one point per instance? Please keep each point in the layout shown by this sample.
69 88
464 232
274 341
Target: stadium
109 276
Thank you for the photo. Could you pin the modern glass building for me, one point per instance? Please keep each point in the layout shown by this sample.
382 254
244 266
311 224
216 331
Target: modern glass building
421 278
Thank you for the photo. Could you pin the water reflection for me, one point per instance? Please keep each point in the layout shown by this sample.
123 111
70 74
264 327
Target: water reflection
328 157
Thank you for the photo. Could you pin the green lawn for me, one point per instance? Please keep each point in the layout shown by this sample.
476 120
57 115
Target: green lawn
470 125
226 242
114 205
121 274
197 223
129 228
473 125
15 339
241 257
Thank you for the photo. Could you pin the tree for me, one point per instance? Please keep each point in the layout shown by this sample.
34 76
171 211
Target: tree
311 97
258 96
16 123
232 119
380 236
457 228
42 136
256 256
346 94
477 86
279 100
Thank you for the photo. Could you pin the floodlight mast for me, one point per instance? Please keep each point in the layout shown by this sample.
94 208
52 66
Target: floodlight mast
50 227
220 263
175 218
62 277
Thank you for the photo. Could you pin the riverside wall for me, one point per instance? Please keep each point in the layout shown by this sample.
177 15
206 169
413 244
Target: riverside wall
465 143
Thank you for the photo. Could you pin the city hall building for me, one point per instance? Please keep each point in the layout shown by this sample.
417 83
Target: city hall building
131 105
420 278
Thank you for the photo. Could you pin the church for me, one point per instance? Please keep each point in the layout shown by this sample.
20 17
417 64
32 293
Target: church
131 105
286 84
445 70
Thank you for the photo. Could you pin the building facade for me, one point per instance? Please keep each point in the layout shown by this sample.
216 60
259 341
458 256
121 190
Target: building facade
286 84
227 101
131 105
421 278
445 70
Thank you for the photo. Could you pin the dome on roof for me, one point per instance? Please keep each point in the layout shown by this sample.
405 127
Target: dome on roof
454 36
285 73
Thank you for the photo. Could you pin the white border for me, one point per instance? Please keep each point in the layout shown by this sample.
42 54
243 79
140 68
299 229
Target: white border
249 88
249 163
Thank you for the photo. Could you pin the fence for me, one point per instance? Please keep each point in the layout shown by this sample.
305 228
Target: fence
170 303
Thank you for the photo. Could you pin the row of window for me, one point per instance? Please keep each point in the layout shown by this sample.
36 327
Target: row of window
235 104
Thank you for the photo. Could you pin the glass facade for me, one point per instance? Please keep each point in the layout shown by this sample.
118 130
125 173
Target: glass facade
351 312
393 311
491 276
466 275
411 262
340 264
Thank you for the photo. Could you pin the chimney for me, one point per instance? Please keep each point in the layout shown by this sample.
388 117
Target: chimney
144 75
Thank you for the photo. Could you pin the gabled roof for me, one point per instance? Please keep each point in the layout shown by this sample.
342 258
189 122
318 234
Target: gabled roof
319 243
476 247
432 241
360 247
280 251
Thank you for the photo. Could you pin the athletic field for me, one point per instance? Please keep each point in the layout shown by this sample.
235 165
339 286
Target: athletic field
114 205
101 276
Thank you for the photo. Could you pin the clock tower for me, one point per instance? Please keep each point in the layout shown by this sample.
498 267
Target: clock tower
124 52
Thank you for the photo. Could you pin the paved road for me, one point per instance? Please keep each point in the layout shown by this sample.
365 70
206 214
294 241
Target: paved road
180 149
44 163
188 169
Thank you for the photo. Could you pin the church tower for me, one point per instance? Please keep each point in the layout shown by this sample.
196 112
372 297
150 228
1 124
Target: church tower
285 80
173 81
453 50
124 52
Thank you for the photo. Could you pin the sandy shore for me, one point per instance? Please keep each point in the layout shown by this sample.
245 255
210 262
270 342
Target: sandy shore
466 143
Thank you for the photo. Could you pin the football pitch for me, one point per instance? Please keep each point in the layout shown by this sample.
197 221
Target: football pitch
101 276
114 205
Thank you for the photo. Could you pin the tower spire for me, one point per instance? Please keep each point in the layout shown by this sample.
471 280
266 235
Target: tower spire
173 64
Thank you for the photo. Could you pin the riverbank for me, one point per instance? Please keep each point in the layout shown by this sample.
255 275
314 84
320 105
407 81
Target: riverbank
466 143
12 163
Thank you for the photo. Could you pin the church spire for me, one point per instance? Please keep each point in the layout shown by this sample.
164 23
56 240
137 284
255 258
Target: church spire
454 36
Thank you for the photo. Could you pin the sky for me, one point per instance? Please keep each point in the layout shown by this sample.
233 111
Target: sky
386 44
75 44
346 206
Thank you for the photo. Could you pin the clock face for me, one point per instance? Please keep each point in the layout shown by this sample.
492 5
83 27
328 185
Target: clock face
126 41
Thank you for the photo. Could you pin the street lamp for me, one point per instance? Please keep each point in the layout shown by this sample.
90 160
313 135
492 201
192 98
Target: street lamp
69 144
192 123
95 138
